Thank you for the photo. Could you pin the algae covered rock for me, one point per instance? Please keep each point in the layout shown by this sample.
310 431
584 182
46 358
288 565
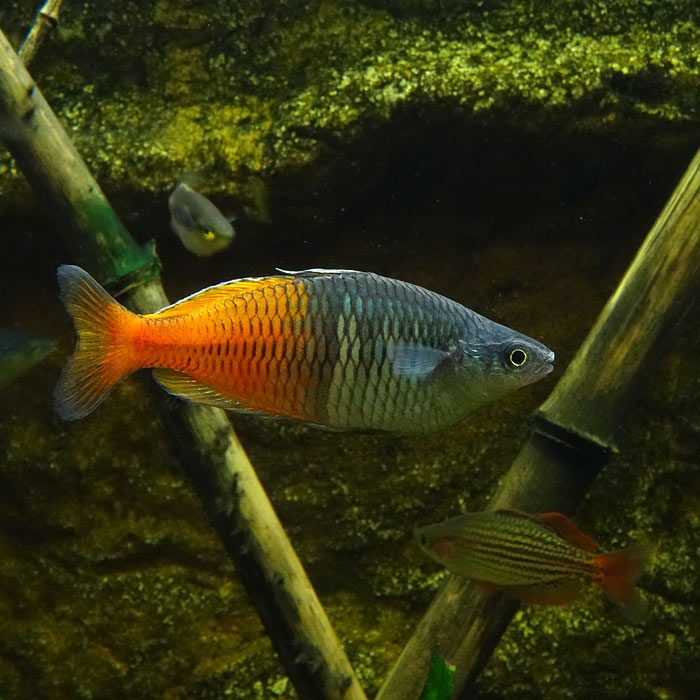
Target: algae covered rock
151 90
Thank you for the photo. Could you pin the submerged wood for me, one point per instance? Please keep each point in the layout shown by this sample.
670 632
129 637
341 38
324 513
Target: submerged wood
46 19
573 433
210 451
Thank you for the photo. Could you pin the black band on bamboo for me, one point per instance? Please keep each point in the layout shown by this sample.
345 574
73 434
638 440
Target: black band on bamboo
587 446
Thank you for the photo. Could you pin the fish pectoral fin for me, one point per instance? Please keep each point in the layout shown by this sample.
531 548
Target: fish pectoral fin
415 360
186 387
183 216
559 591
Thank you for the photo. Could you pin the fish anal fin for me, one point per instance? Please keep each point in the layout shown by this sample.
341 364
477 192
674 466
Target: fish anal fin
556 592
186 387
220 292
568 531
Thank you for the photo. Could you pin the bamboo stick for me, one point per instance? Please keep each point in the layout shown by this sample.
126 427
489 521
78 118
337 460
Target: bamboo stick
46 19
59 176
573 432
212 456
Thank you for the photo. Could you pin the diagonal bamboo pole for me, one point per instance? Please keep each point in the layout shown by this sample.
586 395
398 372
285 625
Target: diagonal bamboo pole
212 456
573 432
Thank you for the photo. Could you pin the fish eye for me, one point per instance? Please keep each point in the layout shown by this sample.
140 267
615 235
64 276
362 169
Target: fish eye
209 235
517 357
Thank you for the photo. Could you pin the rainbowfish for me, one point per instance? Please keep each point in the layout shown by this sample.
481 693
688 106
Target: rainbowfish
342 349
202 228
535 558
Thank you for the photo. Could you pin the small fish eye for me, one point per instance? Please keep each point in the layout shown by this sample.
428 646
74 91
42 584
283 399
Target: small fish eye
518 357
209 235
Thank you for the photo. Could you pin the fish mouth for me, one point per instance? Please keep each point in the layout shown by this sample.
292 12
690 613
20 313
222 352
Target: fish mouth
547 365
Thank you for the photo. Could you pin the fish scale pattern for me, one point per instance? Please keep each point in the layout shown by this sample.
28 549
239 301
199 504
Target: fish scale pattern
368 317
319 348
267 352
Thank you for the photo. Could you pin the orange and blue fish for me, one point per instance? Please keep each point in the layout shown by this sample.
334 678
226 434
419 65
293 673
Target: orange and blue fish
342 349
535 558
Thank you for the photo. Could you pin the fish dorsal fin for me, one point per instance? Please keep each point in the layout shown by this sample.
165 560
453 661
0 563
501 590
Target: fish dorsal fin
518 514
568 531
319 272
219 292
559 524
186 387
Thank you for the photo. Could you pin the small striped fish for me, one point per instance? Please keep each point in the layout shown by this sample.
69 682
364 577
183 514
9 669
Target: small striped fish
535 558
342 349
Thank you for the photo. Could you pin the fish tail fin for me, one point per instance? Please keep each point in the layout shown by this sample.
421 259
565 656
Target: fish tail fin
618 572
104 352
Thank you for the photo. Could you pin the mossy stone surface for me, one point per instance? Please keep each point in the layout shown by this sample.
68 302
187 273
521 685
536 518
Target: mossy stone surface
154 89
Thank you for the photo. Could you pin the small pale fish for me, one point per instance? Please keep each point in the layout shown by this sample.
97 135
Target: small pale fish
342 349
202 228
19 352
535 558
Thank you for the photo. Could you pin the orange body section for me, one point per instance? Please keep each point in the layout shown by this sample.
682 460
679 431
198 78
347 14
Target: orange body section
252 348
246 344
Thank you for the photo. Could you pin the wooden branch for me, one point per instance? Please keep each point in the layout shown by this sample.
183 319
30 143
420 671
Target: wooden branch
212 456
573 433
46 19
59 176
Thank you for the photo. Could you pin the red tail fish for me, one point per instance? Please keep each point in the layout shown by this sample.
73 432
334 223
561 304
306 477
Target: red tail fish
535 558
346 350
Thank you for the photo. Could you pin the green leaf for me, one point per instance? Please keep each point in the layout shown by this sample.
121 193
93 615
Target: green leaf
438 684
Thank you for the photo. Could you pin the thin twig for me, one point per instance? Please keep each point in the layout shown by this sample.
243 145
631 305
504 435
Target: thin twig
46 19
